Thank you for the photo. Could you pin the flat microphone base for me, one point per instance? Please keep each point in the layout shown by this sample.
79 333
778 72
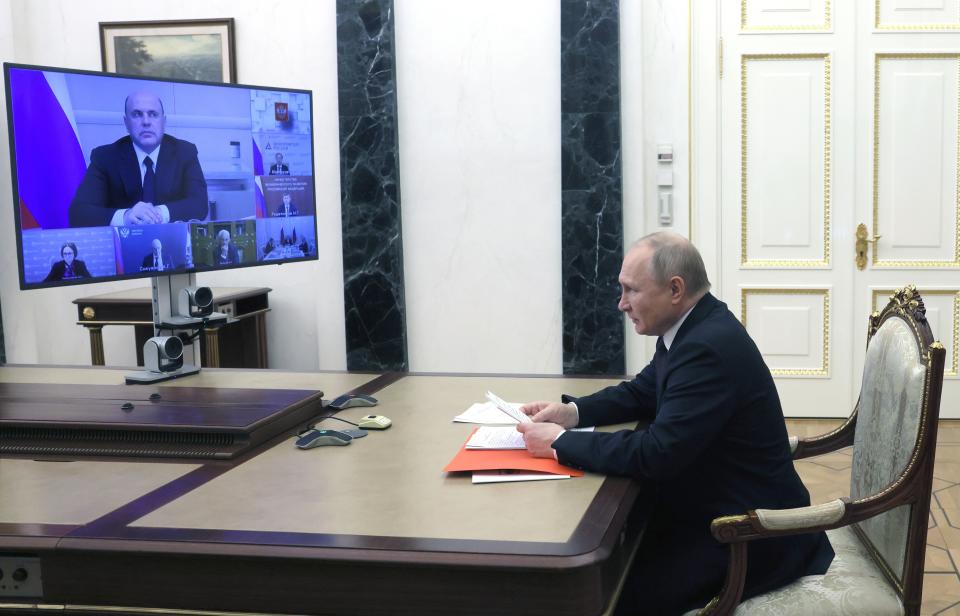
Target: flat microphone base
143 377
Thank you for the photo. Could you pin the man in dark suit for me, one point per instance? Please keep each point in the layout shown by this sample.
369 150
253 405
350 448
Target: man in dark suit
225 253
279 167
716 443
157 261
286 207
68 267
144 178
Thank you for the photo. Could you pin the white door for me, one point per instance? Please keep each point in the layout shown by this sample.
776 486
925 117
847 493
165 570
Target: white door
835 114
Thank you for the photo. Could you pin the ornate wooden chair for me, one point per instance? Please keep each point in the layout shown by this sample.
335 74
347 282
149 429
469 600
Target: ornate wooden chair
879 532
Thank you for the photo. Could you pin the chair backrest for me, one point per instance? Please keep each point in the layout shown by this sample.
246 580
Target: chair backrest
896 423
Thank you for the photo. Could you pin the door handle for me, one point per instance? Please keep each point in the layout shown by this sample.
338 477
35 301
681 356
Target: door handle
862 243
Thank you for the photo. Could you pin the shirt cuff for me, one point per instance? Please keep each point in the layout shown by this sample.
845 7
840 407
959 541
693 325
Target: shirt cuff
554 441
117 220
164 212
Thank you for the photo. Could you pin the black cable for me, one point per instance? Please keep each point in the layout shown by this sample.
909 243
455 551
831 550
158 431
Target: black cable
313 426
343 420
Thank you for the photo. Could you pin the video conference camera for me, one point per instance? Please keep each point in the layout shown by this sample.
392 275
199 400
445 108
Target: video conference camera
195 302
163 354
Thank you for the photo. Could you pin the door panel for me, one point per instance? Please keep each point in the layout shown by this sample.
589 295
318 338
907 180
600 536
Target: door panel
780 103
835 114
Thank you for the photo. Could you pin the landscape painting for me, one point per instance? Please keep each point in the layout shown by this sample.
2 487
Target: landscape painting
200 50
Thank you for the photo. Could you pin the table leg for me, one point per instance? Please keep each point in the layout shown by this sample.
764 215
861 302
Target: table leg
261 323
212 342
96 344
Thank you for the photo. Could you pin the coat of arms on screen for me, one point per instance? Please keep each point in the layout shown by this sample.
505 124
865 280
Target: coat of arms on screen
281 112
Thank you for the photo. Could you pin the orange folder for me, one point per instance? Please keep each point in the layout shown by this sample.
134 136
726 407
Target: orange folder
501 459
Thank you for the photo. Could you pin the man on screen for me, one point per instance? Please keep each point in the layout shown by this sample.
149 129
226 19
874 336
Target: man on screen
144 178
225 253
156 261
286 208
279 167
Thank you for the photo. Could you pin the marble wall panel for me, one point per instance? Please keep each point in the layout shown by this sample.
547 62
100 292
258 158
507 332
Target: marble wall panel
369 187
592 192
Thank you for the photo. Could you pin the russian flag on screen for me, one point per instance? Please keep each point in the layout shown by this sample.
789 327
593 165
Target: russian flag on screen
50 163
257 172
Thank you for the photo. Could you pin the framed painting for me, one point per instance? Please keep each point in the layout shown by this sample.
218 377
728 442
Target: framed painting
200 49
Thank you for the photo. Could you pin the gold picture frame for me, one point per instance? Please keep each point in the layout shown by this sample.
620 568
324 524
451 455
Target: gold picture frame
197 49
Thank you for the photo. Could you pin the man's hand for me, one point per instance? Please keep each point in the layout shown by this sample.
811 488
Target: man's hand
553 412
538 437
142 214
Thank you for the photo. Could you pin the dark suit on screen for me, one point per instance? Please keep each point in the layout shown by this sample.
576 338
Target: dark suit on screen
113 182
59 270
716 445
281 212
281 169
165 265
233 257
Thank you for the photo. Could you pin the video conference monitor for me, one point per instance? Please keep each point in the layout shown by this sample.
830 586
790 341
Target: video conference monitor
119 177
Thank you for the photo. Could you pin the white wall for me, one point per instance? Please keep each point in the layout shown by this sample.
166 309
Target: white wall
479 124
654 90
306 325
479 104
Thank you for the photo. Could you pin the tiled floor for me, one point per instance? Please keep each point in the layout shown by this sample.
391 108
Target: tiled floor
828 477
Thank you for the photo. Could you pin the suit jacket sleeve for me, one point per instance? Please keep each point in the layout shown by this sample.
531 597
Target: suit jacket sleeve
93 204
630 400
186 198
696 403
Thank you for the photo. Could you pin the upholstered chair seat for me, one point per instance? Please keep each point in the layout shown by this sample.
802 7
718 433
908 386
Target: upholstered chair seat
879 531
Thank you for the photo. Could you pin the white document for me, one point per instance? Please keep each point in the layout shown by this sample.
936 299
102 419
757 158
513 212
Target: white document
508 408
509 475
486 413
496 437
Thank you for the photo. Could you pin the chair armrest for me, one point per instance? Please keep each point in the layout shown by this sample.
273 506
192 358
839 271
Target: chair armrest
825 443
770 522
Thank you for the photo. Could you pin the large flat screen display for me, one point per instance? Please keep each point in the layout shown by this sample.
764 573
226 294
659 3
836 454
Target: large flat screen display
123 177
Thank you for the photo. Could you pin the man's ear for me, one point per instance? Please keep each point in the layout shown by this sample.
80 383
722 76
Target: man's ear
678 288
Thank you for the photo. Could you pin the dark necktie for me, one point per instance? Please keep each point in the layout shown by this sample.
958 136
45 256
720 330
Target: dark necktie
660 365
149 182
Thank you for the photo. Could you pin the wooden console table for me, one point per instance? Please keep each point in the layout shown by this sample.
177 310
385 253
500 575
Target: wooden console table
239 343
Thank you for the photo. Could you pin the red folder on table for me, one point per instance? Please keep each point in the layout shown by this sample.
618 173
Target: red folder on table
502 459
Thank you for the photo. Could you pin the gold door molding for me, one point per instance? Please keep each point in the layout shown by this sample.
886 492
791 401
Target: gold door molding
825 26
824 369
893 263
954 363
745 259
908 27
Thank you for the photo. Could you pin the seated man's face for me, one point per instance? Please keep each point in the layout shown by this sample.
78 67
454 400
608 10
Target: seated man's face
279 158
145 120
156 246
67 255
286 200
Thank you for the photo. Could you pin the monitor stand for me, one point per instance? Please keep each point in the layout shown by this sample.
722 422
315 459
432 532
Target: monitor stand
167 290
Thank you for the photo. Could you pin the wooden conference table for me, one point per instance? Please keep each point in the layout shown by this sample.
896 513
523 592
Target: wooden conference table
373 528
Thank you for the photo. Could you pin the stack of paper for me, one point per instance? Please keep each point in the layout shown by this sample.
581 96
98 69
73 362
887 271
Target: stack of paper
511 475
506 459
484 413
496 437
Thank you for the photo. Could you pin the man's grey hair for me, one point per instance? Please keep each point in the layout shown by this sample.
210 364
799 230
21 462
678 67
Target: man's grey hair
675 255
223 235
